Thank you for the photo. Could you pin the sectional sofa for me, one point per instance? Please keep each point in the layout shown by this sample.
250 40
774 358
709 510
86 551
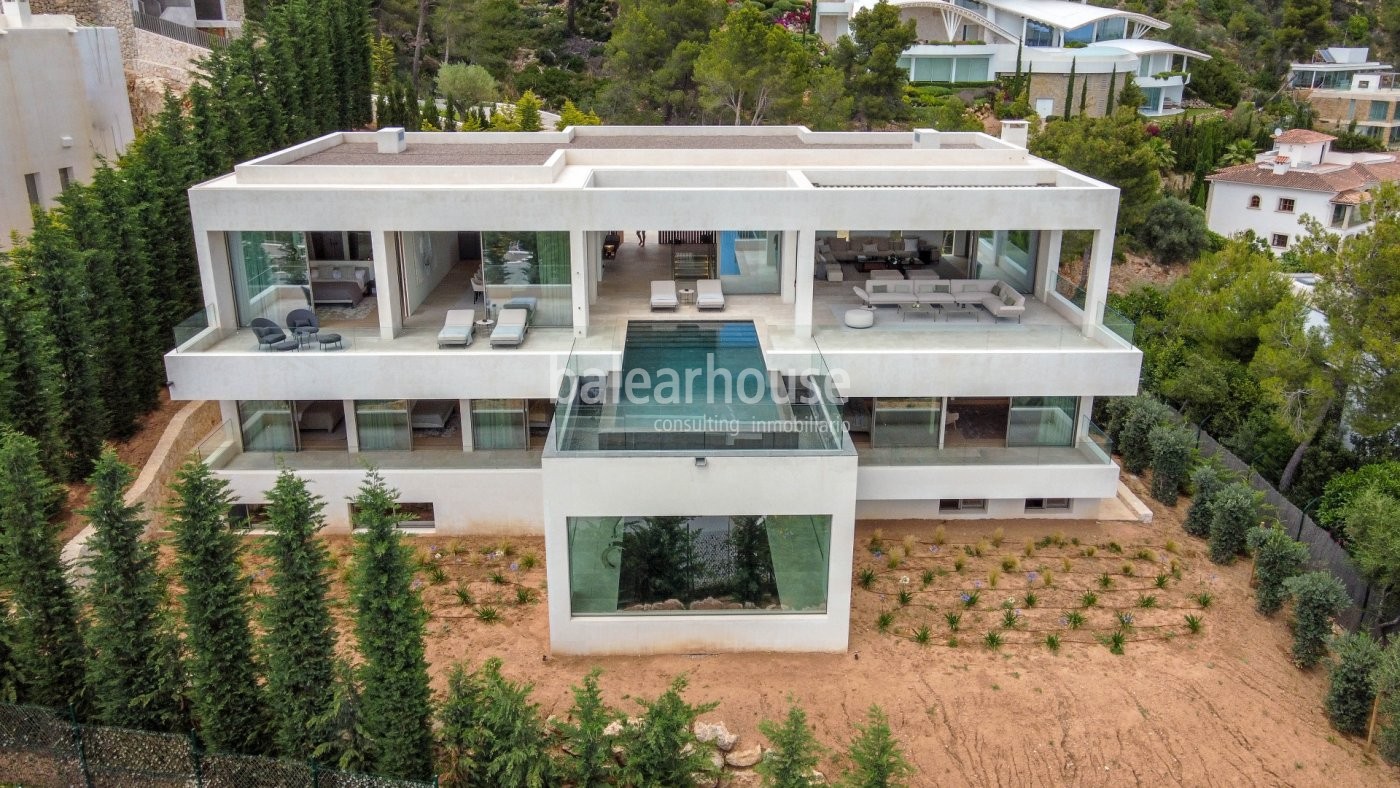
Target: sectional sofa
997 297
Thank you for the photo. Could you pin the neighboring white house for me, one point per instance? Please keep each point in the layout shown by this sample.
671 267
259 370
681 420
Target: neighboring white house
66 103
717 378
978 40
1301 176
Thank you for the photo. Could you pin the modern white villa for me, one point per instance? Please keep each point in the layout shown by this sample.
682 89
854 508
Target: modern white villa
1347 89
819 327
970 41
1301 176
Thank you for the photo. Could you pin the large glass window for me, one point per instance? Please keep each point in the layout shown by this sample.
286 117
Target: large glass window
270 274
972 69
1039 34
933 69
750 261
267 425
1112 29
684 565
529 269
500 424
1010 256
1041 421
906 421
383 425
1080 35
1379 109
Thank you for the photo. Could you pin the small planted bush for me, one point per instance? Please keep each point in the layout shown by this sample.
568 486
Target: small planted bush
1143 414
940 536
1105 582
884 620
1031 600
922 635
905 597
865 578
1074 619
1206 480
1115 642
1350 689
464 596
1318 598
1204 599
998 536
1277 557
1173 447
1194 623
993 640
969 598
954 620
1088 599
1147 601
1009 564
1160 581
1236 510
1052 642
488 614
1010 618
926 579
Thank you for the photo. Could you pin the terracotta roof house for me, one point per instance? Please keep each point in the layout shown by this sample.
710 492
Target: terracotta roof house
1301 176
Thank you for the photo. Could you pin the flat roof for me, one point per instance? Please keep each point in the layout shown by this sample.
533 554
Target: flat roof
488 149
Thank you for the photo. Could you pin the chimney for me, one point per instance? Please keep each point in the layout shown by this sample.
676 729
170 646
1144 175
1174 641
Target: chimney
1280 165
927 138
16 12
391 140
1013 132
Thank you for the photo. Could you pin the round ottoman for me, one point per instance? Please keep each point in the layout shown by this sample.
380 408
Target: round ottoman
860 318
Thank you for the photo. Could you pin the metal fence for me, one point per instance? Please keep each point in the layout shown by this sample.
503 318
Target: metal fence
45 747
175 30
1323 551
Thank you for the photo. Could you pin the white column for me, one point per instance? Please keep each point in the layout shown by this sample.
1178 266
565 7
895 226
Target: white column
806 259
788 271
464 412
352 429
216 278
386 282
1096 283
1051 241
228 411
595 263
578 277
1081 429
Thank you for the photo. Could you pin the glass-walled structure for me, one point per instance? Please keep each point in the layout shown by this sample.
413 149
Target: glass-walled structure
750 261
529 269
270 272
691 565
969 422
1010 256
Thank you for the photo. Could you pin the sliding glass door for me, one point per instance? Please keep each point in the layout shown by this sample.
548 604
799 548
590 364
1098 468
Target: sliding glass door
267 425
500 424
383 425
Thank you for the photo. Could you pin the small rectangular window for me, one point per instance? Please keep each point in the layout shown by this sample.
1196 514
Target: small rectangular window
65 177
1047 504
31 185
955 505
1285 205
249 516
1278 240
412 516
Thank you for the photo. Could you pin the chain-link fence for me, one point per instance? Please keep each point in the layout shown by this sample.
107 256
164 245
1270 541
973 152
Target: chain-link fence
1323 551
45 747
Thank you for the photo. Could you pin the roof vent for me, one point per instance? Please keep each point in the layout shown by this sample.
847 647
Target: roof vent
1014 132
391 140
927 138
1280 165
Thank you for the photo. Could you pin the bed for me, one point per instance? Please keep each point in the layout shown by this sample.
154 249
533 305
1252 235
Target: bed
432 414
338 284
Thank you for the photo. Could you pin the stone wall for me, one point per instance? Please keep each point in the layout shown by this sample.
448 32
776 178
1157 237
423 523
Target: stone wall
1337 113
96 13
160 63
1052 86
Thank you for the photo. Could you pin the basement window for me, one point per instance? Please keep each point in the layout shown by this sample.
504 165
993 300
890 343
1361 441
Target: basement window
412 516
961 505
1047 504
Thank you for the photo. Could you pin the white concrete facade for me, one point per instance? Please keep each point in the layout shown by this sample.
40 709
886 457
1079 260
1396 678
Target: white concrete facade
963 194
66 94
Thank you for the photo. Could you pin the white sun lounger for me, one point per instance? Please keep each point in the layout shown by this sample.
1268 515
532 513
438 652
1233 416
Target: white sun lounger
663 294
457 328
708 294
511 325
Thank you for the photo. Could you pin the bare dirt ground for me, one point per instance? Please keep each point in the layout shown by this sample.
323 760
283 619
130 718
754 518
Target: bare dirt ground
1223 707
134 452
1137 269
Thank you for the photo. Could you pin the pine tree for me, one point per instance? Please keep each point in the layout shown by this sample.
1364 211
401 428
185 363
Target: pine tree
228 701
134 671
661 749
793 753
51 265
590 762
389 624
48 643
877 761
493 732
298 631
527 109
432 121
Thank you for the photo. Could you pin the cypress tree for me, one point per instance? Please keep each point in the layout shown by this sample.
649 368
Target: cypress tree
162 169
493 732
48 644
134 672
449 116
1069 90
1084 96
1112 89
794 752
527 108
51 265
877 760
30 400
389 624
413 118
381 111
228 701
431 119
299 633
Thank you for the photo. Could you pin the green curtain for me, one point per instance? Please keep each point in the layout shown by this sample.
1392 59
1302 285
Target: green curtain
383 425
499 424
801 549
595 564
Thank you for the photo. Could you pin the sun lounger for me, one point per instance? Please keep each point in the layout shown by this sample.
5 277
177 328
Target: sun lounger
457 328
511 325
708 294
663 294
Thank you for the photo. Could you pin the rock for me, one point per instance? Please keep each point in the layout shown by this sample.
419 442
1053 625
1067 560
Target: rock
670 604
717 761
708 603
744 779
745 758
703 780
818 777
715 733
614 728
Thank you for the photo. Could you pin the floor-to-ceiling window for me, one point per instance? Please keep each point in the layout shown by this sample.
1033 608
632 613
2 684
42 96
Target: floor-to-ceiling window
750 261
500 424
270 274
1041 421
1010 256
267 425
383 425
530 269
739 564
899 422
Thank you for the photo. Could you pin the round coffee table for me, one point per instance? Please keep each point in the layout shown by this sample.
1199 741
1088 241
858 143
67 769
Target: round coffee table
687 295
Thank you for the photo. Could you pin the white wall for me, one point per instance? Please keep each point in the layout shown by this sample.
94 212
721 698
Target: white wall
423 278
56 83
727 485
930 483
1228 211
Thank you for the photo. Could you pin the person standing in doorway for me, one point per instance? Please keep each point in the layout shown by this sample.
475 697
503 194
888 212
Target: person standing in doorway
641 237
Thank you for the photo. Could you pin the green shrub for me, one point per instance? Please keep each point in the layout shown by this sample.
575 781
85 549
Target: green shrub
876 759
1143 414
1277 557
1337 496
590 760
656 747
1317 599
1206 480
1350 690
1172 448
1387 682
793 751
492 732
1236 510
